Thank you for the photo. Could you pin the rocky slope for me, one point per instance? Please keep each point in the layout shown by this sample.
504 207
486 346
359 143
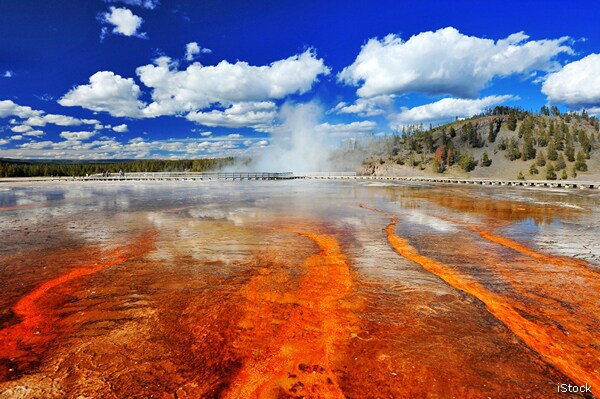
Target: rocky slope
505 143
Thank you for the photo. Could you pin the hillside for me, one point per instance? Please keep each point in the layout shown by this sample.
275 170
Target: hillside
504 142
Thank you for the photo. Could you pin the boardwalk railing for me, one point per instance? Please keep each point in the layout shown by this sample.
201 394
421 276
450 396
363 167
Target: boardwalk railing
191 176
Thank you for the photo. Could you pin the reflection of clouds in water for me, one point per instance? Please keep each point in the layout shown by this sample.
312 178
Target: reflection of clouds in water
238 216
560 204
352 221
420 218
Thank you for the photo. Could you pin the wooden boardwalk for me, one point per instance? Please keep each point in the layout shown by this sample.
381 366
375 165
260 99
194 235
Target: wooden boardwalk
190 176
470 181
238 176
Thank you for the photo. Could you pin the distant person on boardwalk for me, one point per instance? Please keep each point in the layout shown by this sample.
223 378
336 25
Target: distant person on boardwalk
121 173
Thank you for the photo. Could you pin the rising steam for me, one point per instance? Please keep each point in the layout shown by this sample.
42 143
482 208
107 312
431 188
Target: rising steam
298 144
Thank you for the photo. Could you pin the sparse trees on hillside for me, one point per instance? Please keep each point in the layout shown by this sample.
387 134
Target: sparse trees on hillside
511 124
550 173
552 154
540 160
580 164
528 149
467 162
560 162
486 161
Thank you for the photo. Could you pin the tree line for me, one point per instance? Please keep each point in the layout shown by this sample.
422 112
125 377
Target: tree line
30 169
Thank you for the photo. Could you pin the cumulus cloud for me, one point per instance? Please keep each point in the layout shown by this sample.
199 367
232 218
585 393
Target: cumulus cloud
4 141
21 128
446 109
193 49
8 74
59 120
198 86
594 111
347 129
366 106
107 92
206 134
9 108
258 115
124 22
16 137
148 4
446 62
120 128
239 87
34 133
576 84
77 135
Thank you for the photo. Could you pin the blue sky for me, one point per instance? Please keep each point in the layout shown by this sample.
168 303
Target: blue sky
187 79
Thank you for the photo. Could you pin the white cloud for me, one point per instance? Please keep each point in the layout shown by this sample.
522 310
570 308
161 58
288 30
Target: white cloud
346 129
446 62
206 134
576 84
34 133
9 108
110 148
148 4
366 106
258 115
446 109
16 137
77 135
106 92
121 128
124 22
191 51
21 128
198 86
59 120
8 74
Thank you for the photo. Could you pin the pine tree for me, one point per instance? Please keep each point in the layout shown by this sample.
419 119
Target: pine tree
580 164
486 161
550 174
540 160
545 111
552 154
533 170
570 153
528 149
492 133
560 163
564 175
511 124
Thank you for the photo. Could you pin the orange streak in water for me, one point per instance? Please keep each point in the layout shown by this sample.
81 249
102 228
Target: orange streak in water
525 250
554 349
26 340
296 357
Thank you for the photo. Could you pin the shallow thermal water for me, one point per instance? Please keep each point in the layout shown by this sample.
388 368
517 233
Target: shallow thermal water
323 289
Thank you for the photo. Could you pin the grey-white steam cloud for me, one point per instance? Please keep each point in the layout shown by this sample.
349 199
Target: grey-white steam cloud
297 144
